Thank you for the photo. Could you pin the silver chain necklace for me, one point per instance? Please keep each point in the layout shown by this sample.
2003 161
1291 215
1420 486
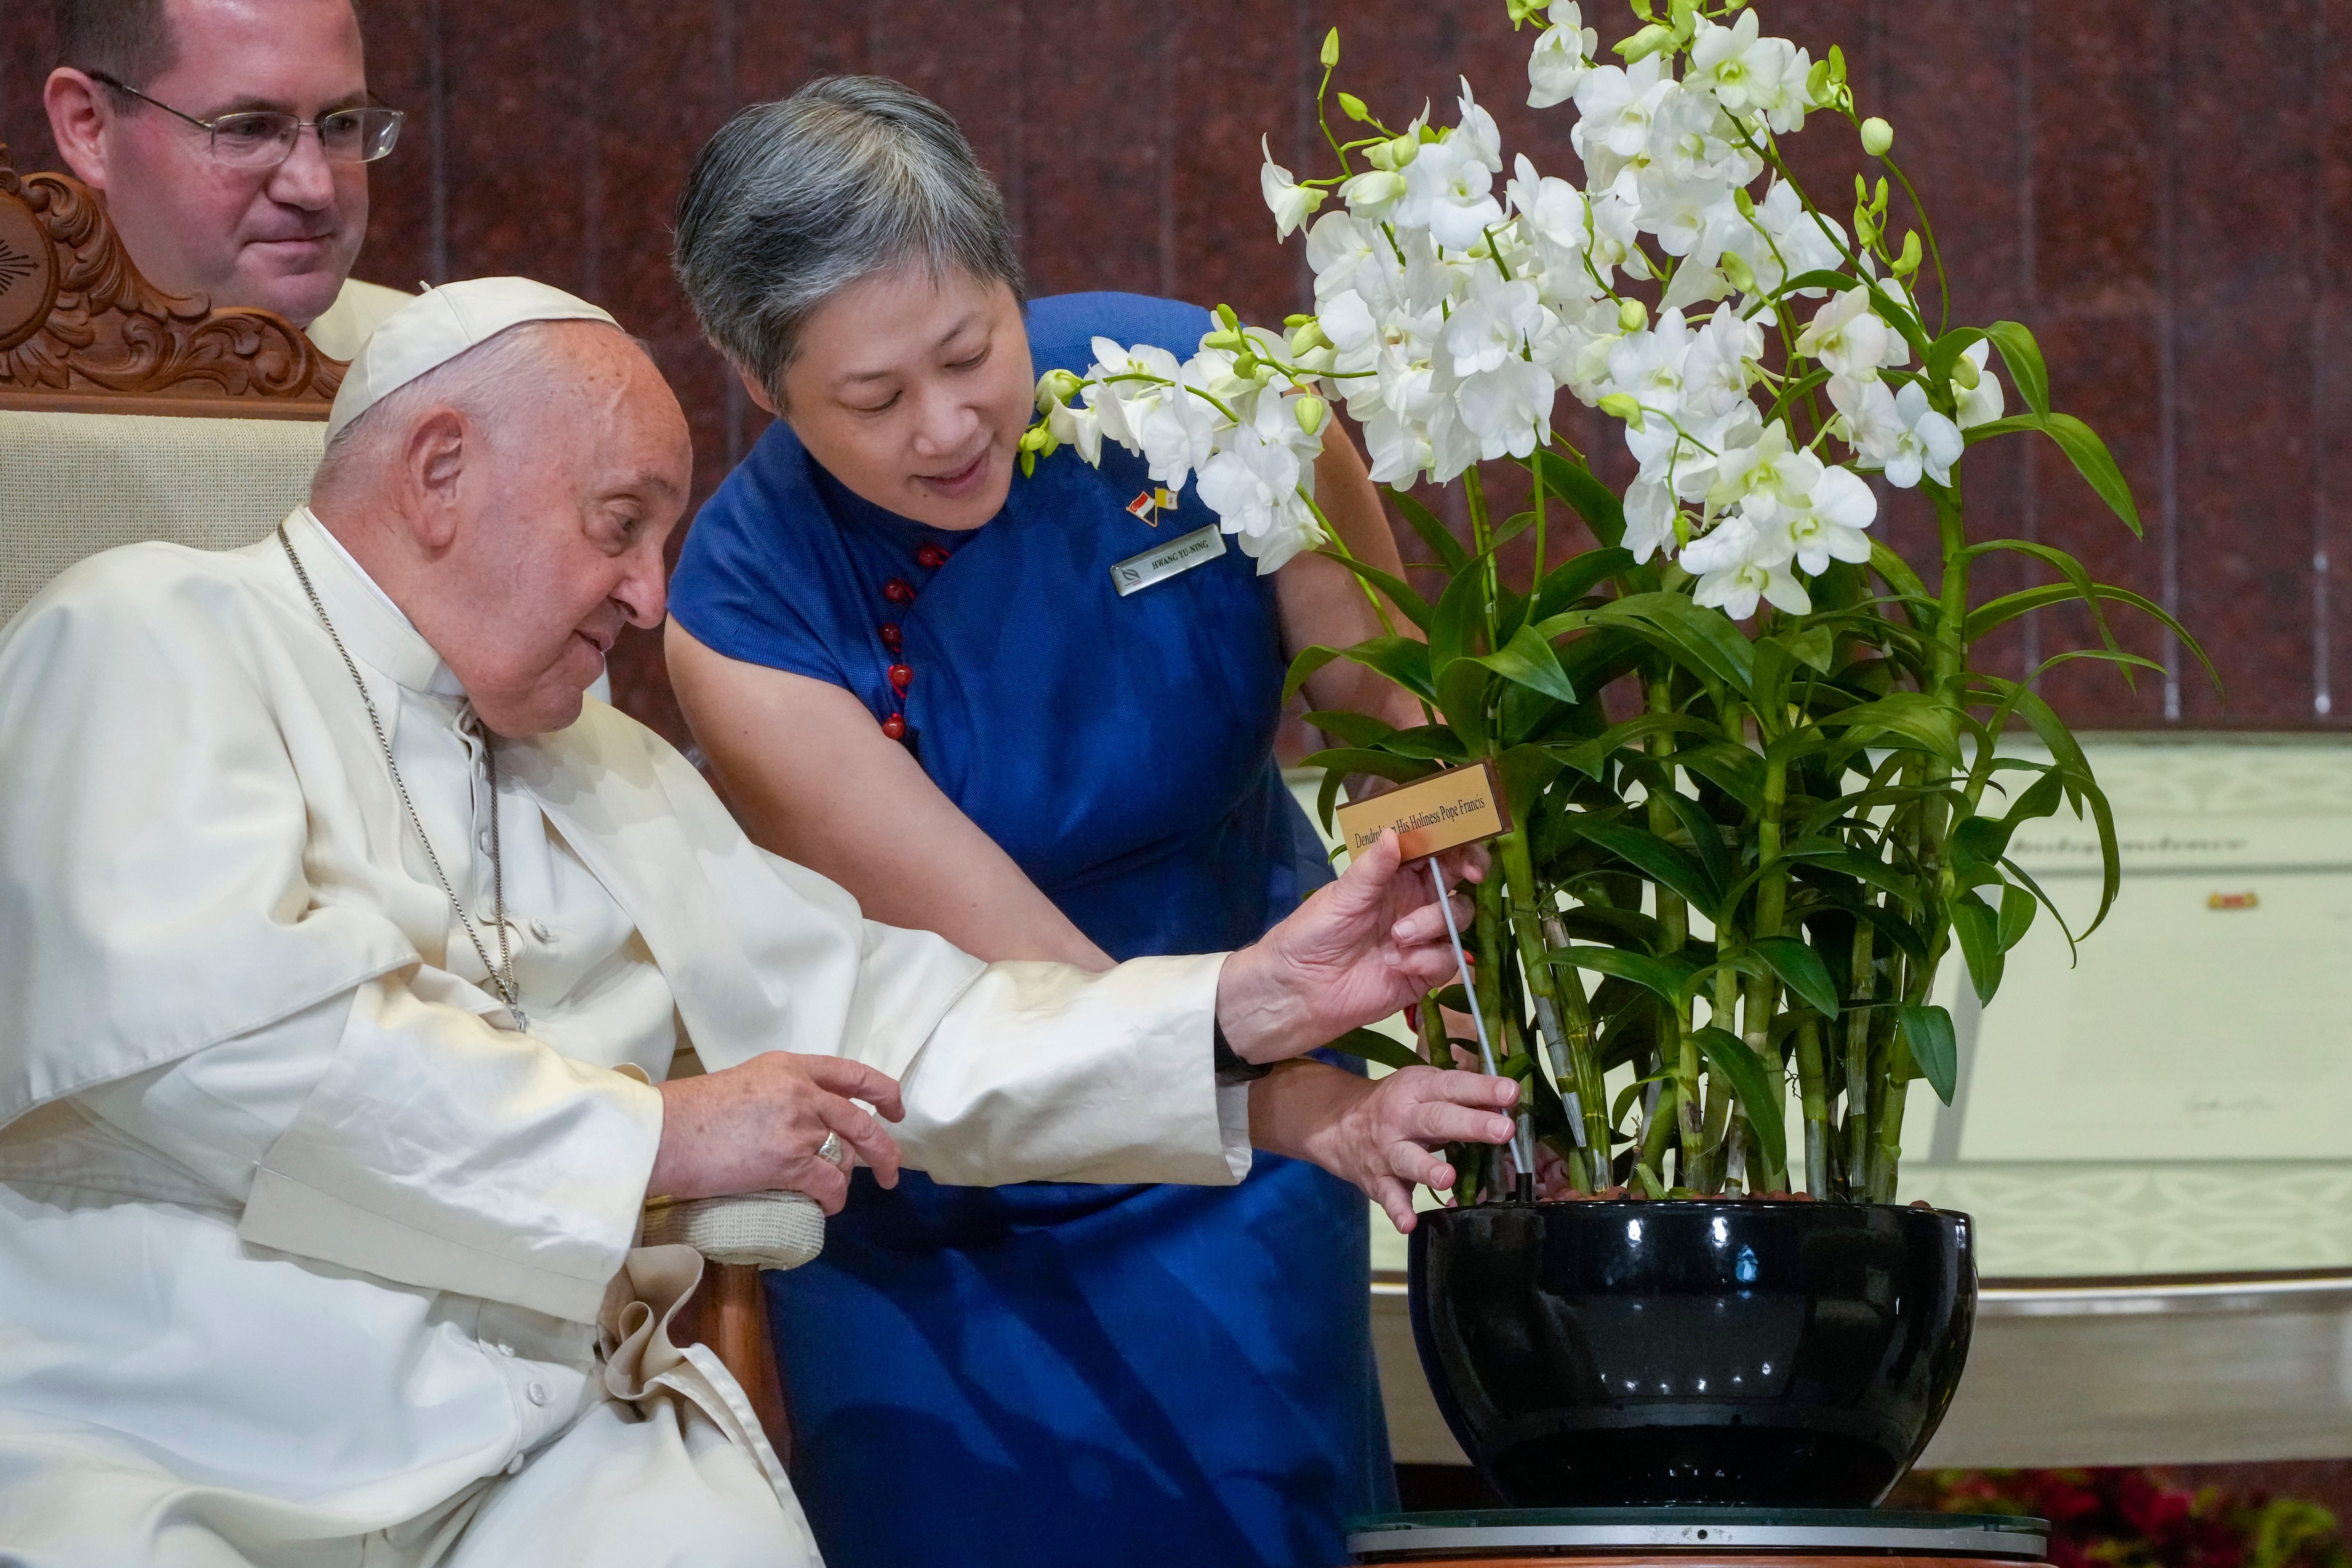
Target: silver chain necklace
501 974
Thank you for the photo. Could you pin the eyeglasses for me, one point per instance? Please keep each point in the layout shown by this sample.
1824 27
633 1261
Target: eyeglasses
262 138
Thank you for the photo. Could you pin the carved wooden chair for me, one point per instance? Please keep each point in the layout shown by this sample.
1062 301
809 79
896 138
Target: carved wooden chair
128 413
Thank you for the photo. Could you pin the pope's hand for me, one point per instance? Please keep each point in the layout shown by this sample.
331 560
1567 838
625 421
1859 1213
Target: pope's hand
760 1127
1352 954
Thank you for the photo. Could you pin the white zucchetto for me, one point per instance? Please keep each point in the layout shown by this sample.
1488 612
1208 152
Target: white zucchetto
440 324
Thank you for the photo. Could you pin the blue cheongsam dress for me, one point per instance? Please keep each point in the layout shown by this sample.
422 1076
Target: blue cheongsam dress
1055 1372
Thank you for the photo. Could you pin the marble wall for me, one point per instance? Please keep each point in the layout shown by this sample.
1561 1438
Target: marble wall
2160 188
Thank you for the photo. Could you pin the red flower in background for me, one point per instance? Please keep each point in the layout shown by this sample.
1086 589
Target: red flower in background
2140 1519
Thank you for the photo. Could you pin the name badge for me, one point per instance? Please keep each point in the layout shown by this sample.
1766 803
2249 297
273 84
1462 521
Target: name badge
1180 554
1435 813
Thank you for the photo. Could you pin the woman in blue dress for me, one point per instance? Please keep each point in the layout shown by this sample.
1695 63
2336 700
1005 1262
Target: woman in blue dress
912 671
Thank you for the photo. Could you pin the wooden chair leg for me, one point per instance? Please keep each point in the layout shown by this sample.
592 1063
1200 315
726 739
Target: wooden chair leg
730 1314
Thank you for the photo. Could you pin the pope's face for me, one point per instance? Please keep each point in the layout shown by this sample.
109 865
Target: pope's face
561 514
283 239
913 390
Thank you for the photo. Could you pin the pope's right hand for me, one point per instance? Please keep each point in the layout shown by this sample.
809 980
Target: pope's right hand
760 1127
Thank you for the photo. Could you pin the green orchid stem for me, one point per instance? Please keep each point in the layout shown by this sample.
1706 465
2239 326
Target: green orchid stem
1568 1047
1814 1096
1659 1136
1858 1019
1379 607
1482 541
1771 903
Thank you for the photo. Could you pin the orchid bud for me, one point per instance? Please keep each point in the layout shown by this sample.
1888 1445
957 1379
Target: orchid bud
1392 155
1353 107
1817 84
1039 439
1246 364
1877 136
1055 387
1964 374
1308 337
1231 342
1908 262
1631 316
1737 272
1331 49
1526 11
1837 64
1621 405
1224 313
1744 202
1311 412
1645 43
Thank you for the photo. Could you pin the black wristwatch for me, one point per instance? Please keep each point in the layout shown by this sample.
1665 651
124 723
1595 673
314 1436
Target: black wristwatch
1230 1067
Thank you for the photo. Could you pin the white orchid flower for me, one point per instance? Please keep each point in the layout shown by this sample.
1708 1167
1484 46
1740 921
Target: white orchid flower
1614 106
1898 431
1289 200
1573 348
1981 403
1494 324
1478 132
1398 448
1252 482
1828 525
1846 337
1725 64
1737 565
1372 194
1561 58
1077 427
1717 368
1508 407
1447 193
1765 477
1650 513
1647 366
1785 241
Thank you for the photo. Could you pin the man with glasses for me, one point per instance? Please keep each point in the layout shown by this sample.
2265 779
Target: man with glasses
230 139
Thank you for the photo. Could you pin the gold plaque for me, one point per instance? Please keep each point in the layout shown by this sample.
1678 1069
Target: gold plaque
1460 807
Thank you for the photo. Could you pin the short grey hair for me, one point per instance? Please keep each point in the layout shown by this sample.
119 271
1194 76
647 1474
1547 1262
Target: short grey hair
794 200
508 370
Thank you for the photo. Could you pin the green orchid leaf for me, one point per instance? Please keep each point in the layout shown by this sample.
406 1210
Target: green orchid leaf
1587 757
1459 619
1801 970
2024 879
1615 928
1436 742
1706 641
1978 930
1461 690
1926 721
2009 606
2081 786
1896 574
2083 449
1604 514
1345 759
2017 907
1528 660
1402 660
1675 870
2079 579
1935 1049
1525 770
1758 1089
1434 534
1662 977
1947 349
1576 576
1705 837
1734 770
1355 728
1371 1045
1400 593
2022 355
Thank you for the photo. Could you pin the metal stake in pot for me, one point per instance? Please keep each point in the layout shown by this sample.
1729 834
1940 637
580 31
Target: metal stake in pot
1523 1135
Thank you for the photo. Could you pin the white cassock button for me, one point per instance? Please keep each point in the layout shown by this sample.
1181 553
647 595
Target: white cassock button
542 930
483 839
514 1466
536 1393
503 1348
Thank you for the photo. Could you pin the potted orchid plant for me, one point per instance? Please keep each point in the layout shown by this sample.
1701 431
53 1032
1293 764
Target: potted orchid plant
1755 794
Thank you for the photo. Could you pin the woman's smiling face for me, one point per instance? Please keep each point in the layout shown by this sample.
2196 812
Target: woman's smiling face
913 390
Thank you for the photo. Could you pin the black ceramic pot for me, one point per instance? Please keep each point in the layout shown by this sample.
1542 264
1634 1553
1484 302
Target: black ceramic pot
1606 1353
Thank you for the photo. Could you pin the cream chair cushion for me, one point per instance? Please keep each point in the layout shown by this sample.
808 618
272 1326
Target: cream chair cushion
74 484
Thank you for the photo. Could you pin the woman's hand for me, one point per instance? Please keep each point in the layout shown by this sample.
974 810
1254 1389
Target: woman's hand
1355 952
762 1127
1380 1134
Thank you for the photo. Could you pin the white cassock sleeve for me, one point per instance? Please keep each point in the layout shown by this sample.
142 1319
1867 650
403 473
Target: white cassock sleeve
411 1140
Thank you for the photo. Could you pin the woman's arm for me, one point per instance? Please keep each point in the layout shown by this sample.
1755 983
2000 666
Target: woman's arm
813 778
1322 602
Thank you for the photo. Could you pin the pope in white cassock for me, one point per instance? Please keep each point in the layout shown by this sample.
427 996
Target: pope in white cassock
345 952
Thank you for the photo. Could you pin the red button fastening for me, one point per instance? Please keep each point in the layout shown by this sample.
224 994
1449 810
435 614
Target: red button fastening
895 727
898 591
901 678
931 557
891 637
